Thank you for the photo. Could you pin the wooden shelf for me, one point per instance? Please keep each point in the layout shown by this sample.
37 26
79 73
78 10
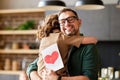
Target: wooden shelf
10 72
6 11
19 51
17 32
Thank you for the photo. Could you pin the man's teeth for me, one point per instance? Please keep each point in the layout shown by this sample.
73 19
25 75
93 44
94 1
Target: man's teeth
67 32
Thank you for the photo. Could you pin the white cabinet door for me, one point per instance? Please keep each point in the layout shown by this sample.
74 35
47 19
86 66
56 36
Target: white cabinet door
95 23
103 24
115 23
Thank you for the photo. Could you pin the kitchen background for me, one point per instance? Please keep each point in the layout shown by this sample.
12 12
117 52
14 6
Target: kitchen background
104 24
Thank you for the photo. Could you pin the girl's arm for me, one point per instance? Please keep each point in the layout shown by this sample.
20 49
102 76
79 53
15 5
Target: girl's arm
88 40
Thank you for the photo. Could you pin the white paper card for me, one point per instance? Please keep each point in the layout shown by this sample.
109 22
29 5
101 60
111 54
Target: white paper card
52 58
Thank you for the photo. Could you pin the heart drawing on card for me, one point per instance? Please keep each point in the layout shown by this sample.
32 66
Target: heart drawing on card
50 59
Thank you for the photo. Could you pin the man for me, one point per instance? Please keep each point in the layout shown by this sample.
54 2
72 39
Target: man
83 62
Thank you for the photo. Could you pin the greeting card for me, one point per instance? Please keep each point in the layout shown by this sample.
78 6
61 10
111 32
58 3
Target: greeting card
52 57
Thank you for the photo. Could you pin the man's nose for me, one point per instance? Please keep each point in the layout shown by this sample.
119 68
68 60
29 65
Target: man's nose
66 22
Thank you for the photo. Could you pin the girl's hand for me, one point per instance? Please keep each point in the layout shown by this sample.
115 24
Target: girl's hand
49 75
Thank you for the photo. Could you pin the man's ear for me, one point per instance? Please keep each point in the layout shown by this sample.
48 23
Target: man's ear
80 22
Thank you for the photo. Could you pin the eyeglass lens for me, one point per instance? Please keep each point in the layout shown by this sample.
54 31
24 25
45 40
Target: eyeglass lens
69 19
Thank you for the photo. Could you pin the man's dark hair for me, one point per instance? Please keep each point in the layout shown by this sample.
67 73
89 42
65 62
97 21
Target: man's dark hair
67 9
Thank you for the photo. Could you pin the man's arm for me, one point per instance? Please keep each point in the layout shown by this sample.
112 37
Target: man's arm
75 78
51 75
32 71
91 62
84 61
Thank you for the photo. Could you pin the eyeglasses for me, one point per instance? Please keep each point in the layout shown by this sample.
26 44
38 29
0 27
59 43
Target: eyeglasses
70 19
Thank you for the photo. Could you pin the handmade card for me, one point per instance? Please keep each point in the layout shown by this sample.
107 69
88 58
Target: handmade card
52 58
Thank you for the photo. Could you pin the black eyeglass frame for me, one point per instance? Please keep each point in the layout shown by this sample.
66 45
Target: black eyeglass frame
70 19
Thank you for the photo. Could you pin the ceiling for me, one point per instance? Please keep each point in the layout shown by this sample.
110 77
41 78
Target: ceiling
72 2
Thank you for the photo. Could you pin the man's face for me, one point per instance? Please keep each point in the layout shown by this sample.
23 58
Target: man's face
69 23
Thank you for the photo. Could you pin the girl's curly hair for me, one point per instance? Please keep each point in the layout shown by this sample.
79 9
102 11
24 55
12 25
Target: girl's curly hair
50 23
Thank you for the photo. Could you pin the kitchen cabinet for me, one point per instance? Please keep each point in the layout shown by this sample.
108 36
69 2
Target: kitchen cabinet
103 24
110 53
18 44
114 23
95 23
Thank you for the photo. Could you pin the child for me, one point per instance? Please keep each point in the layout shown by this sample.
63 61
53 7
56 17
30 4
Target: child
50 33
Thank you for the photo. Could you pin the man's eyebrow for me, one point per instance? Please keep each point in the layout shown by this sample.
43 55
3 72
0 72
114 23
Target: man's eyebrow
69 17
